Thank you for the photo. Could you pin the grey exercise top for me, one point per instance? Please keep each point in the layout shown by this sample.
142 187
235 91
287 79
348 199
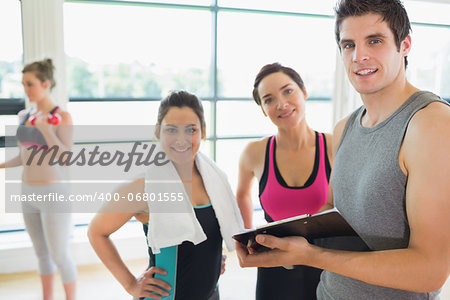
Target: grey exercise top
369 190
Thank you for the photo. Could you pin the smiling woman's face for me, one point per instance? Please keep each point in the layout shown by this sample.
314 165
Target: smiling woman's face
282 100
181 134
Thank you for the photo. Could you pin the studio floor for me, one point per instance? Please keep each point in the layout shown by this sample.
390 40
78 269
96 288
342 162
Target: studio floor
96 283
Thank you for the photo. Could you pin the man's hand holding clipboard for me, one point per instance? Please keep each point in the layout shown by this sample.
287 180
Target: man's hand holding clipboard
327 229
328 223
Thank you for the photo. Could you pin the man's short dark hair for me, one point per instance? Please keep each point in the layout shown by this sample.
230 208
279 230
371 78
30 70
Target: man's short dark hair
391 11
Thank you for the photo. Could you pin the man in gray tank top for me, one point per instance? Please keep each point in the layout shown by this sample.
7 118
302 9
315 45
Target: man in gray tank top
391 176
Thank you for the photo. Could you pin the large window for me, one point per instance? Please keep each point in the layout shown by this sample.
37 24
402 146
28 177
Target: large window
142 50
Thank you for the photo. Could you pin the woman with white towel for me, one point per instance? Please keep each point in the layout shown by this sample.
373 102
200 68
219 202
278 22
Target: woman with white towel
185 240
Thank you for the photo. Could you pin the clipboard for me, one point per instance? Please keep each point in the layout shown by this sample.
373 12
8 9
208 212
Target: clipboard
329 223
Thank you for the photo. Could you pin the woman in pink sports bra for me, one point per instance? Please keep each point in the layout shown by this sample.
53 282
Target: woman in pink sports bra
293 169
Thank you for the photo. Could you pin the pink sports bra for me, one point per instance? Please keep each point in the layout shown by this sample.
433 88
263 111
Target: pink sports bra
280 201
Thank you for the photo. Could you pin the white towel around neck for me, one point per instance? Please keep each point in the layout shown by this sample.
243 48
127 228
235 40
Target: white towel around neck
173 222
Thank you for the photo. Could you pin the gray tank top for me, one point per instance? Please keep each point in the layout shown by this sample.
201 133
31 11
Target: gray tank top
369 191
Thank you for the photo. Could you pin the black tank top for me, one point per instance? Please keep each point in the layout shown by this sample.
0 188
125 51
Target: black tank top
197 266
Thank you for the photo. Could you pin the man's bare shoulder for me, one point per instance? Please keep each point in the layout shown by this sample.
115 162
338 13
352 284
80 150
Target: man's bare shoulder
431 120
427 135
